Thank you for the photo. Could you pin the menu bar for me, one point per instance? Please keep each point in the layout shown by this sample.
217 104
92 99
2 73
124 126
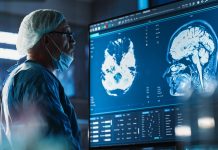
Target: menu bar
146 14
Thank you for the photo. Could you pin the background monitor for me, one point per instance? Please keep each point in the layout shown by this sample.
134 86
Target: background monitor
144 67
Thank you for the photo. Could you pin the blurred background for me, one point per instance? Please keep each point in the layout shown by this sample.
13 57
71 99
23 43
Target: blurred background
80 13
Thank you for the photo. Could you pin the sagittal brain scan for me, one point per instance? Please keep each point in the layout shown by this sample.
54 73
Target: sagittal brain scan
119 66
192 55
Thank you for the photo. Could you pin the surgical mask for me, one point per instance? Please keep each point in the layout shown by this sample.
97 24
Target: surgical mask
64 61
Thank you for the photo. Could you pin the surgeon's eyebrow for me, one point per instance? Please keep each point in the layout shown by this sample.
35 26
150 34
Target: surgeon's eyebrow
65 28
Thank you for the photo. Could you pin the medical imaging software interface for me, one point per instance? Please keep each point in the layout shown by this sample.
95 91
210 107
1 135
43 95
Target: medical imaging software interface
141 71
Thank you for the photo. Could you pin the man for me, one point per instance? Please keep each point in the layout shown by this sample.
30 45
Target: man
36 112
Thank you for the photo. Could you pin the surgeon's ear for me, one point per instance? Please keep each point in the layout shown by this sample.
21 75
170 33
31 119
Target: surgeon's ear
45 40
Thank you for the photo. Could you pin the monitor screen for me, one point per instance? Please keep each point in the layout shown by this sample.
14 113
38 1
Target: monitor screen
144 65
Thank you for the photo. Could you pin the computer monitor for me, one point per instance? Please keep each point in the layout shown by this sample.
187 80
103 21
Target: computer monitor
143 68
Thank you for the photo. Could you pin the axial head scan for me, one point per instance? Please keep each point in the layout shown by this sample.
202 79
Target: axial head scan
119 67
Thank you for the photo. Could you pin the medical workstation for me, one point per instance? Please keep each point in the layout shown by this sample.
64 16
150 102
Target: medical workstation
108 74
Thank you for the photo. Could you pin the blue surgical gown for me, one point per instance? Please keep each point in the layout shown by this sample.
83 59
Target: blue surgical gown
31 84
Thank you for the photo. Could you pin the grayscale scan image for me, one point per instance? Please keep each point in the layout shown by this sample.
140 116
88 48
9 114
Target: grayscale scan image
192 56
119 66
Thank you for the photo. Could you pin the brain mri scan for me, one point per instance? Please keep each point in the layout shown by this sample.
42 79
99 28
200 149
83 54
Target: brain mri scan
118 70
192 56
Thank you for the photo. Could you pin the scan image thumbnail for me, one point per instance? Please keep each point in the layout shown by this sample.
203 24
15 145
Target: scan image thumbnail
192 55
119 66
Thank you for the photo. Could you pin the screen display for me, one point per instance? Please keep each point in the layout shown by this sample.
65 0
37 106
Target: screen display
142 67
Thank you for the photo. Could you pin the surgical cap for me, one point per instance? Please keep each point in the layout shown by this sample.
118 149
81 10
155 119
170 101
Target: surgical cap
35 25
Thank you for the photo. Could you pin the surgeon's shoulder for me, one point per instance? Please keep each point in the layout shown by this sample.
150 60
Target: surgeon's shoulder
29 71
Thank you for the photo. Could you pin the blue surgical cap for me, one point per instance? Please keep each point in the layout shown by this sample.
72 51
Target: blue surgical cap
35 25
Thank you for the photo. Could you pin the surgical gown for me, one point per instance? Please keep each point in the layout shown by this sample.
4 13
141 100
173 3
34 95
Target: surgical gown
31 91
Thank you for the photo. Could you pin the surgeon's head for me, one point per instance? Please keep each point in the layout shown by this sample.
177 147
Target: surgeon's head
46 37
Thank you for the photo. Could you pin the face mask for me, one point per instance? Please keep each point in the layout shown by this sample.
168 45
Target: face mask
64 61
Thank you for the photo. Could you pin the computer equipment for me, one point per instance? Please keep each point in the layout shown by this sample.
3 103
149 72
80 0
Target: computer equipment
144 68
